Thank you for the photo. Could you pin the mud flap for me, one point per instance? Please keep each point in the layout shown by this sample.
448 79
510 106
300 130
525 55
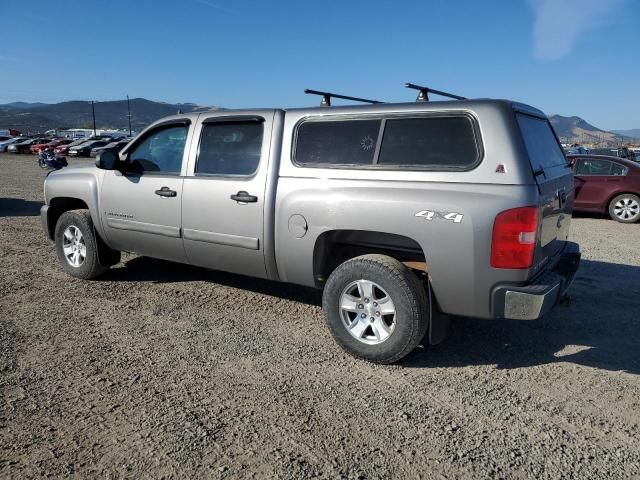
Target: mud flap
106 256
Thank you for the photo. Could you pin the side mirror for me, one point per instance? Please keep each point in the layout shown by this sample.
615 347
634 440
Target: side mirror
107 160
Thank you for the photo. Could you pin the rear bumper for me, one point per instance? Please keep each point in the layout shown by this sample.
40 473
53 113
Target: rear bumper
533 300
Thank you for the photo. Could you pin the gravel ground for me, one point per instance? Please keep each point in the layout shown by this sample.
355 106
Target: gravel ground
166 371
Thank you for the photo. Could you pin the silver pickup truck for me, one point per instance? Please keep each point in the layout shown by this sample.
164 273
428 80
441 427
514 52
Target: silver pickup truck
404 214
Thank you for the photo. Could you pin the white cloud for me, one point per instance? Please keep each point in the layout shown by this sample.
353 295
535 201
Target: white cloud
559 23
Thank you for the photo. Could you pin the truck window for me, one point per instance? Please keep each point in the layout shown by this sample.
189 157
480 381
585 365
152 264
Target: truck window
543 147
231 148
160 151
337 142
429 142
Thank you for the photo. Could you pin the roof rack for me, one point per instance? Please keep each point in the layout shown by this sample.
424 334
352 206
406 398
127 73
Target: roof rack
423 96
326 97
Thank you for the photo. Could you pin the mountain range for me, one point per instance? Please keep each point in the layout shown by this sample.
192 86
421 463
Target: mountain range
39 117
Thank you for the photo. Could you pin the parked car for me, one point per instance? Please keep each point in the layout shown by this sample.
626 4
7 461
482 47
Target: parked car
112 147
24 146
85 149
607 184
64 149
4 138
38 147
5 144
401 213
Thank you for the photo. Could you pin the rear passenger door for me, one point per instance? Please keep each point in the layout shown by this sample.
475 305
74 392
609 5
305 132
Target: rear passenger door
224 194
594 178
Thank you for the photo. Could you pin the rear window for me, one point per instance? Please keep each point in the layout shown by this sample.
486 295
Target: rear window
434 142
543 147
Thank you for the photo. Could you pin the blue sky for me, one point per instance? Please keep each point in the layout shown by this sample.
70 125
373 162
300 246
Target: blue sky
572 57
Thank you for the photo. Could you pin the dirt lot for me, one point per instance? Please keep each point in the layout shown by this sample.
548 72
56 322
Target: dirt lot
161 370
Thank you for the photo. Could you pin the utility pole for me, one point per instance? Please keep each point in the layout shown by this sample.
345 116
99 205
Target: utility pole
129 114
93 113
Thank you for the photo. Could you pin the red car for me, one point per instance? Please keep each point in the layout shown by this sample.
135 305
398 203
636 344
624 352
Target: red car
607 185
38 147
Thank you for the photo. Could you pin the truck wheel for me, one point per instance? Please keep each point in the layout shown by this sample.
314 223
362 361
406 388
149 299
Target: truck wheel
375 308
625 208
80 251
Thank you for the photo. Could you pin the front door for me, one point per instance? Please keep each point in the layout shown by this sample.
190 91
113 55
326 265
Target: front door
141 204
224 194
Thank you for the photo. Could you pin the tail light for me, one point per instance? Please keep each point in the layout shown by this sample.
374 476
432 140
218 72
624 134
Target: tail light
514 238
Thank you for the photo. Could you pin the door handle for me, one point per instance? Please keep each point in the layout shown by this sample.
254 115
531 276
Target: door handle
166 192
243 196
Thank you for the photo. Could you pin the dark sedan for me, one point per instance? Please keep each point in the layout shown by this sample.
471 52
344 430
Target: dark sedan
84 149
606 184
111 147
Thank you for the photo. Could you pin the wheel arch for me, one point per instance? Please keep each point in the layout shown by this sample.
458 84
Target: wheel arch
617 194
59 205
607 206
334 247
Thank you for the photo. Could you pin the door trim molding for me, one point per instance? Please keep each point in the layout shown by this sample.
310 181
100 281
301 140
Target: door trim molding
249 243
143 227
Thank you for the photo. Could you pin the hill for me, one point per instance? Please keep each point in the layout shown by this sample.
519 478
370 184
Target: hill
33 118
577 130
634 133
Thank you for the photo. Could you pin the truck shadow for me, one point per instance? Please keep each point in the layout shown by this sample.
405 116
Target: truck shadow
18 207
600 328
145 269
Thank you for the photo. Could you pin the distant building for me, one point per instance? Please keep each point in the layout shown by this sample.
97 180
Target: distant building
87 132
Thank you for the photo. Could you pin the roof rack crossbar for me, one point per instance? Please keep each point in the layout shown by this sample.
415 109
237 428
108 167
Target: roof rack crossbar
326 97
423 95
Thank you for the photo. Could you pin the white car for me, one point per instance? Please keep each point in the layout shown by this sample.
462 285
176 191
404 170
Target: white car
5 144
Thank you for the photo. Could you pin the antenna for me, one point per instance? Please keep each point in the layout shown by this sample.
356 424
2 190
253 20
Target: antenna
326 97
423 95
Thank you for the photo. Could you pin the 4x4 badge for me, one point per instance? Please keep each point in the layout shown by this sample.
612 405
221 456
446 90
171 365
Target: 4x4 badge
455 217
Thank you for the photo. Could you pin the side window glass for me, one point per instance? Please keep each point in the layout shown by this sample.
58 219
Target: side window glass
582 168
600 167
231 148
589 166
436 142
617 169
342 142
160 151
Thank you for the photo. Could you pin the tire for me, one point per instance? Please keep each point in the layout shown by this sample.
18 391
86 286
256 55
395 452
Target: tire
625 208
360 331
85 255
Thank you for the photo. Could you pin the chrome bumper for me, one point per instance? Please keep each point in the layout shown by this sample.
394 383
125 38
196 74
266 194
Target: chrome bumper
532 301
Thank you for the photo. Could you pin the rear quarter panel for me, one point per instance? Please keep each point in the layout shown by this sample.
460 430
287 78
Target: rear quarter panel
457 254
